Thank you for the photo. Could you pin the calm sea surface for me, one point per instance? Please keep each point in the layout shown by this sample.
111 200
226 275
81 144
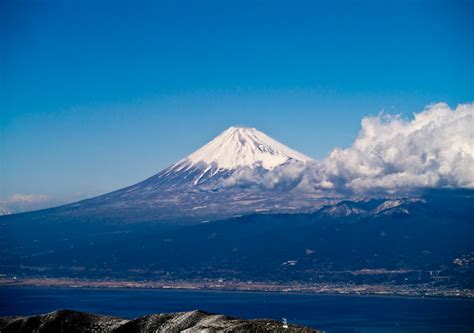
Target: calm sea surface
334 314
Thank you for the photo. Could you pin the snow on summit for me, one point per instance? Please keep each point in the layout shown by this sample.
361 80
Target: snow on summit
240 146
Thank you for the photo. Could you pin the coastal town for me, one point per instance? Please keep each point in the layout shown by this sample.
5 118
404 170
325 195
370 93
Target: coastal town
408 290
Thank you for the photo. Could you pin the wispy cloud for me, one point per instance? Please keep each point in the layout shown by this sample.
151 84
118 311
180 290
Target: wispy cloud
25 202
27 198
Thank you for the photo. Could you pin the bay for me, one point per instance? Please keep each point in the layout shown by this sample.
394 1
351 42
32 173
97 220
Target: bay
332 313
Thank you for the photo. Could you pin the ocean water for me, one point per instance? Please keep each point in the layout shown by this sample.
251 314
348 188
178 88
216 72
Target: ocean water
332 313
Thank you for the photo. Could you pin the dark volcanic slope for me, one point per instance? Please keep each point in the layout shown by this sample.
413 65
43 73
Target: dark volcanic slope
194 321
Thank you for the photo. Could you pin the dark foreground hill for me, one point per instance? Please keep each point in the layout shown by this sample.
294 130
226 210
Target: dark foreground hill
193 321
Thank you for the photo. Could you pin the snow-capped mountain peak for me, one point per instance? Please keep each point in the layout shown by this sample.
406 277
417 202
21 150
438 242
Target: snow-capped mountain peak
244 147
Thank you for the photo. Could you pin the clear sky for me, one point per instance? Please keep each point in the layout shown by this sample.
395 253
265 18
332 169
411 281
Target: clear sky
97 95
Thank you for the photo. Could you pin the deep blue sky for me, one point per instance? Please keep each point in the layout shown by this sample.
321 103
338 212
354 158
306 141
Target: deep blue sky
98 95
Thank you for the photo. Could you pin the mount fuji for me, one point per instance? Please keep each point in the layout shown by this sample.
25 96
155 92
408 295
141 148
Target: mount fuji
203 186
234 149
206 217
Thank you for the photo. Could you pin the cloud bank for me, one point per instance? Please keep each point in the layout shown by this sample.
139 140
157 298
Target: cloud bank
434 149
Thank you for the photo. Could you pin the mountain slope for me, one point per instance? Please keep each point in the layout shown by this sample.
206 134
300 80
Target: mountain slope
412 237
193 189
192 321
237 147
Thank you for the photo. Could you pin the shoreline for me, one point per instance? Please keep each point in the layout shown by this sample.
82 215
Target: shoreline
255 287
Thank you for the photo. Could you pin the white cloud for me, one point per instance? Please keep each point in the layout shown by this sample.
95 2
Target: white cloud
285 175
434 149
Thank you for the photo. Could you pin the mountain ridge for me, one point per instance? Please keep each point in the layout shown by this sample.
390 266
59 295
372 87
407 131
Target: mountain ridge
191 321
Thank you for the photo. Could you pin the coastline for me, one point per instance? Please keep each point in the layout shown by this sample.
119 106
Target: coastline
404 291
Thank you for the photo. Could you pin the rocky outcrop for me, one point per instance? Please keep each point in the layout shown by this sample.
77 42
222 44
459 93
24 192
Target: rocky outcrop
186 322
